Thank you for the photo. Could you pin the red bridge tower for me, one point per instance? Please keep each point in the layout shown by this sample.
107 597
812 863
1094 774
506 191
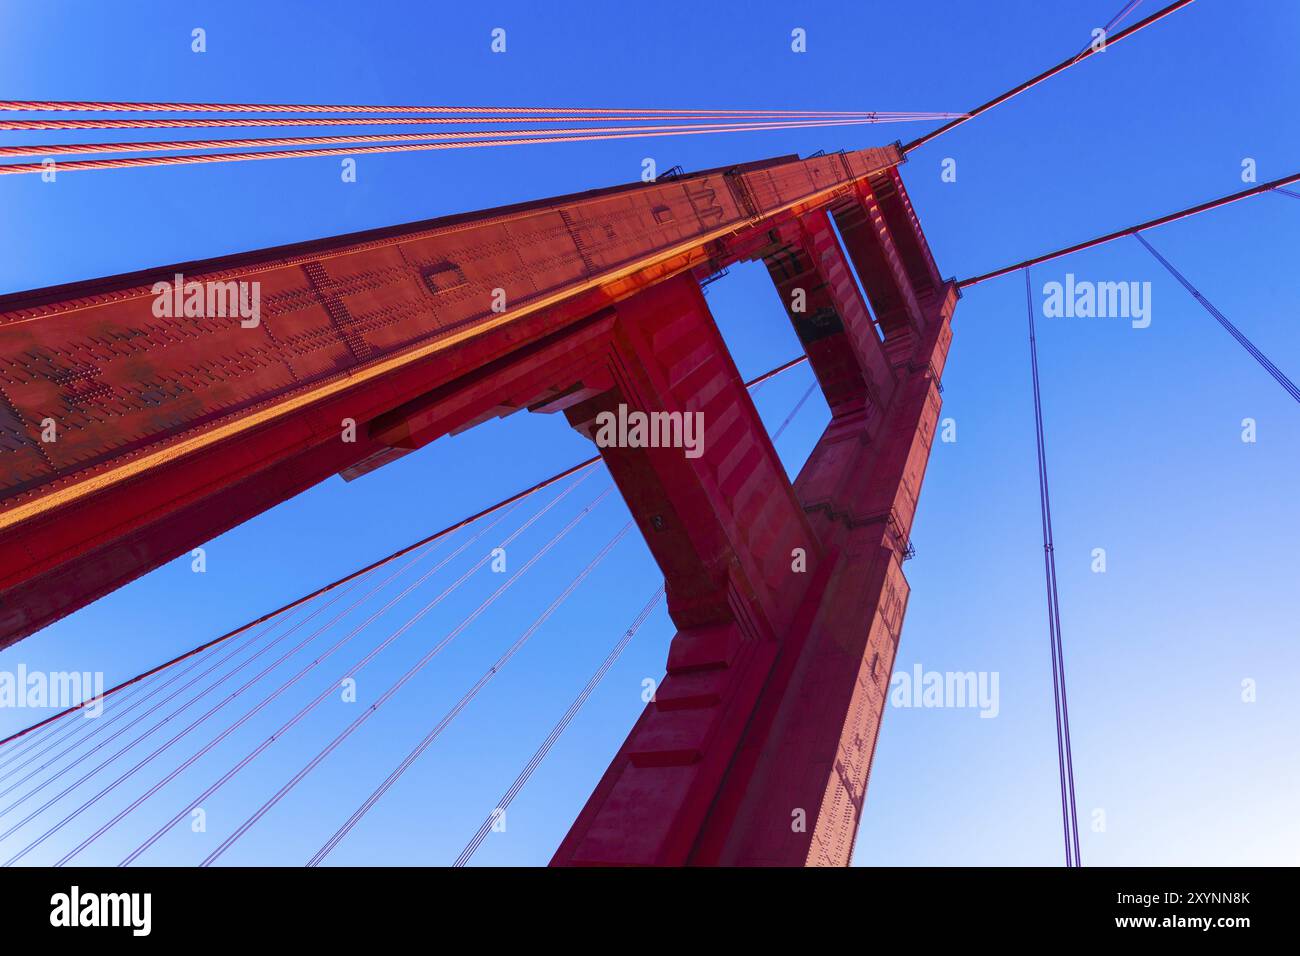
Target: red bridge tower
788 598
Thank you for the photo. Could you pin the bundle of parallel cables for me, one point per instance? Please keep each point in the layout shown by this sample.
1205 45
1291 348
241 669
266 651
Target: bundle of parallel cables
458 127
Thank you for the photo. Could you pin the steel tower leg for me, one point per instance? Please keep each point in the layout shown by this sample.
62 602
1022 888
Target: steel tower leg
789 599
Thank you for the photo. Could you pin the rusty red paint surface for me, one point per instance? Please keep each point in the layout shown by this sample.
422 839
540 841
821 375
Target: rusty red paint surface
788 596
350 327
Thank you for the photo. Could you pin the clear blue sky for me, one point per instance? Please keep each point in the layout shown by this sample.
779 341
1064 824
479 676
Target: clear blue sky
1143 426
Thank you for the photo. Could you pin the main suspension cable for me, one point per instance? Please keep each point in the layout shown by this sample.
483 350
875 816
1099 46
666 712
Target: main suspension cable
1131 230
63 149
90 106
128 162
1047 75
231 122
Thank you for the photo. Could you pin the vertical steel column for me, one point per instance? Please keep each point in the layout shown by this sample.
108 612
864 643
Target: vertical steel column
722 526
757 747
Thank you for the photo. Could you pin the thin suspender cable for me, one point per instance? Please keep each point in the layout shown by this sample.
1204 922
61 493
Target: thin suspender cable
126 162
298 602
91 773
179 735
450 529
1046 75
195 698
1119 17
77 740
558 730
429 539
542 751
1065 762
19 749
1287 192
419 665
329 652
63 149
128 726
1278 375
1114 22
189 761
73 729
353 669
465 700
112 719
794 411
1047 553
40 744
16 751
193 652
756 382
